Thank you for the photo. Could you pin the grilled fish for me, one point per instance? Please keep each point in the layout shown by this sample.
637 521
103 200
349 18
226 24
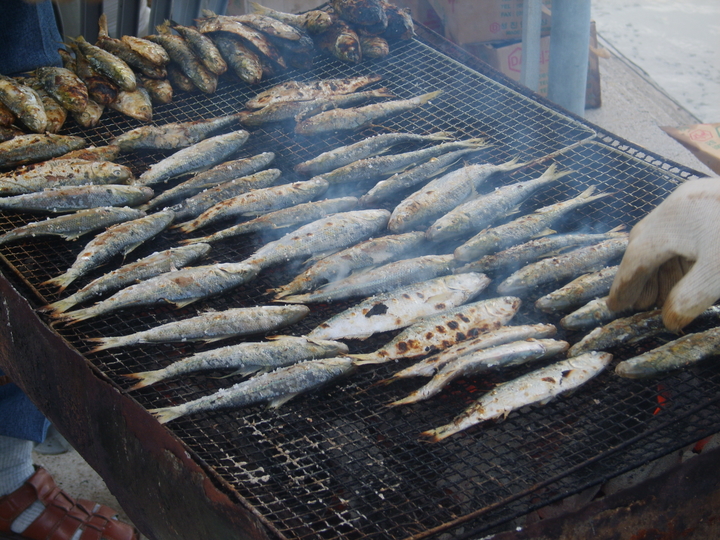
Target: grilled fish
510 354
360 117
197 157
442 331
94 153
579 291
400 24
401 307
119 238
276 387
373 47
159 90
64 86
594 313
62 172
90 117
143 55
340 41
55 113
72 226
535 387
24 149
212 326
246 358
24 103
135 104
108 64
152 52
145 268
243 61
204 48
74 198
270 26
313 21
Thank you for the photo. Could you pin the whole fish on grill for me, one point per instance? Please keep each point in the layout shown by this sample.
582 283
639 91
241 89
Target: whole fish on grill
178 287
24 103
257 202
244 62
74 198
373 167
401 307
442 331
64 86
325 234
90 117
594 313
373 47
100 88
144 56
203 47
219 174
25 149
246 358
55 113
510 354
145 268
313 21
108 64
179 81
160 90
270 26
384 278
72 226
285 217
480 212
523 228
563 267
212 326
682 352
400 24
340 41
173 135
361 12
107 152
537 386
62 172
7 117
119 238
373 252
145 48
427 367
309 90
360 117
368 147
199 203
276 387
579 291
135 104
443 194
197 157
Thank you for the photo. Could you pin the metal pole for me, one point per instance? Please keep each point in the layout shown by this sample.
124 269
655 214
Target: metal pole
569 50
532 21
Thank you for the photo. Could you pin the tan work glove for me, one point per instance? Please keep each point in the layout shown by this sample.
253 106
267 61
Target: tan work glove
673 258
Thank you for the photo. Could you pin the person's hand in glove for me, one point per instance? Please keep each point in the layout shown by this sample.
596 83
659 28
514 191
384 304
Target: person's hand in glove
673 258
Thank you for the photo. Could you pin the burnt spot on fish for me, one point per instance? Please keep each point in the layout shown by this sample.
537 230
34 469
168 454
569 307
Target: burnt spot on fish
441 306
377 309
463 318
566 373
550 379
453 325
460 336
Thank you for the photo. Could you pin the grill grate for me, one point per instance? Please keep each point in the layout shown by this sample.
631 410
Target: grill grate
340 464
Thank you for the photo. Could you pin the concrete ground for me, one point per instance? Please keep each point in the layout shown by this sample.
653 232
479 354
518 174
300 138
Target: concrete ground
633 107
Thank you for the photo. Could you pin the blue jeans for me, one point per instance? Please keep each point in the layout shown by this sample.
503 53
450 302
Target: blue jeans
29 36
19 417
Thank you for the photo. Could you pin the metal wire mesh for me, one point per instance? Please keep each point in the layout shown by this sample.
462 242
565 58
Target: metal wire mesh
339 463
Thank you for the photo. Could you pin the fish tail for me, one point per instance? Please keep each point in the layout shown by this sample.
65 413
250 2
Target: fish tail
188 226
107 343
438 434
198 240
61 306
165 414
292 299
146 378
587 195
513 164
551 173
412 398
430 95
257 8
76 316
61 281
441 136
369 358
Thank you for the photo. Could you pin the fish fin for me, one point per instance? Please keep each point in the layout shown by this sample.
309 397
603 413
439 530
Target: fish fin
108 343
165 414
544 232
280 401
61 306
183 303
61 281
442 136
146 378
103 26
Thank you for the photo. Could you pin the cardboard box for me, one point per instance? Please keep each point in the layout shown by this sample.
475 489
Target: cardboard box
475 21
703 140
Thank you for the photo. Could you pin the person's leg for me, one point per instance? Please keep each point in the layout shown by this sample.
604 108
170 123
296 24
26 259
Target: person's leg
16 467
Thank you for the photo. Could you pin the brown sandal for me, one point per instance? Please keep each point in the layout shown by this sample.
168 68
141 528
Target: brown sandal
63 515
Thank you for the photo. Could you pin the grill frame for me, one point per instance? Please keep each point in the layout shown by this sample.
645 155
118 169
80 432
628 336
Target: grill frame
464 514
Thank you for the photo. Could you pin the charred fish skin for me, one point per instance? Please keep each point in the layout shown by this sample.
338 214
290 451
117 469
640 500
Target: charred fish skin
579 261
120 238
401 307
90 117
24 149
313 21
74 198
246 358
72 226
56 114
442 331
579 291
135 104
64 86
180 288
339 265
275 387
204 47
142 269
244 62
24 102
682 352
537 386
341 41
594 313
108 64
197 157
212 326
510 354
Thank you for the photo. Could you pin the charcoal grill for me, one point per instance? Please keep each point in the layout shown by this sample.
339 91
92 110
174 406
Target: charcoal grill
339 463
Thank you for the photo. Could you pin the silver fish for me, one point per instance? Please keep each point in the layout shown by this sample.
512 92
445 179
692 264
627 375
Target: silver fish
145 268
64 86
510 354
563 267
90 117
243 61
180 288
594 313
682 352
24 102
276 387
313 21
325 234
120 238
56 114
219 174
480 212
73 198
197 157
258 201
135 104
401 307
579 291
442 331
246 358
107 152
23 149
360 117
371 252
203 47
381 279
211 326
443 194
108 64
285 217
173 135
270 26
521 229
72 226
427 367
535 387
